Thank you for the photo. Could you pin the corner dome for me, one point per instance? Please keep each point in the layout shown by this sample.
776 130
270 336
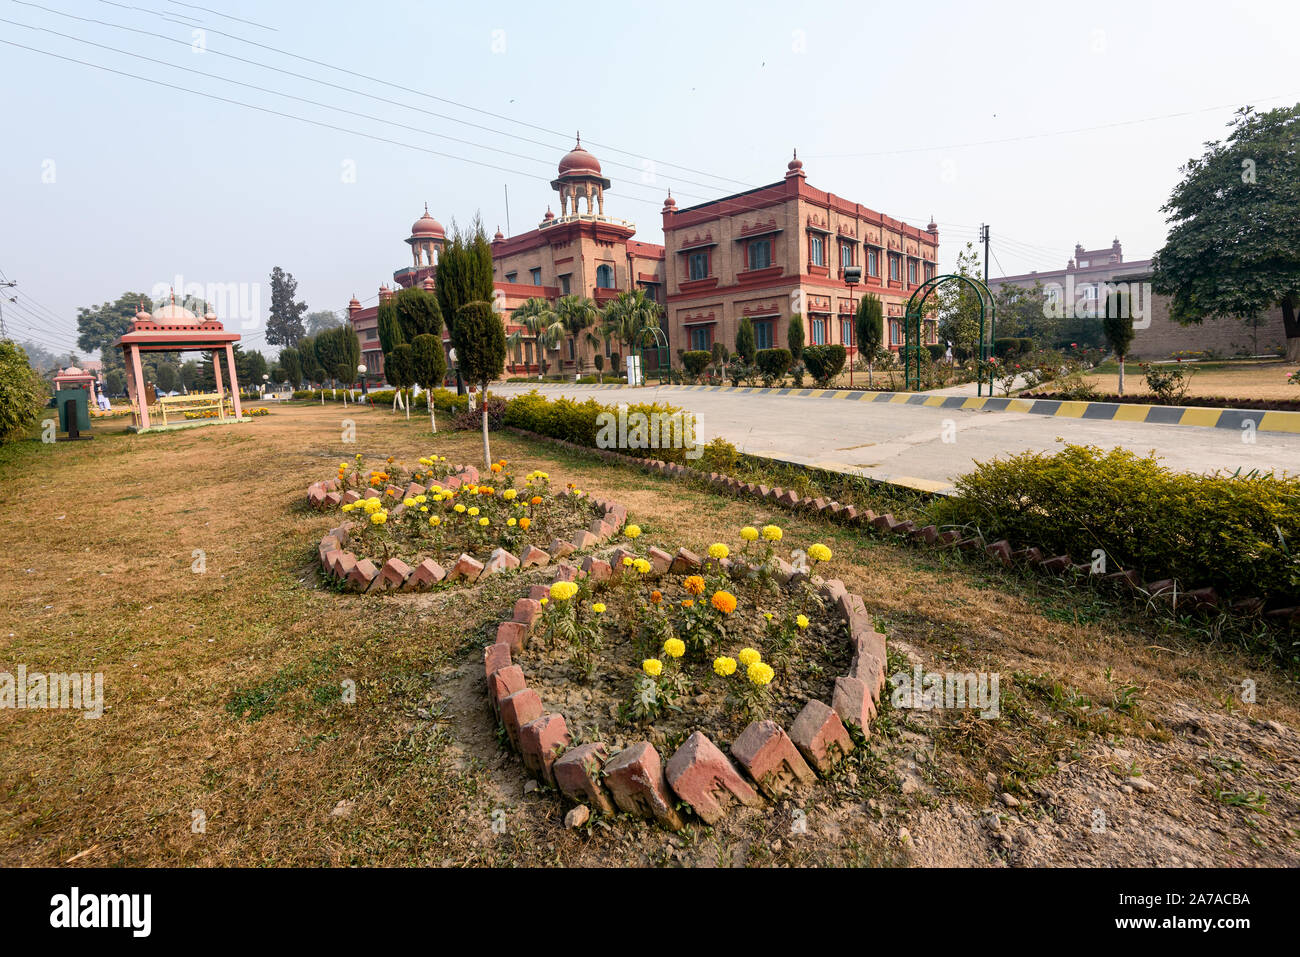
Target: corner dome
426 227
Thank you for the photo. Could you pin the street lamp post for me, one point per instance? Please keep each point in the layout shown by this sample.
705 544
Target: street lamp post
852 275
361 371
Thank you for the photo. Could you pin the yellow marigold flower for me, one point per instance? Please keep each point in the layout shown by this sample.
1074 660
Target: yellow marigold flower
749 656
724 601
473 511
674 648
819 553
484 521
760 673
563 591
543 601
379 518
598 608
642 566
421 499
653 667
435 520
509 494
632 531
525 522
343 466
802 621
496 467
627 561
749 533
694 585
409 502
460 507
349 506
771 533
512 522
718 550
724 666
424 508
767 615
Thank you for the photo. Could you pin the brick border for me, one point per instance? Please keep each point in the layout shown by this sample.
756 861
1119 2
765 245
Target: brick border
636 780
1167 590
363 575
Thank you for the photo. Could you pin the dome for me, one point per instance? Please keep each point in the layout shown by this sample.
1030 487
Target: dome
578 161
795 163
172 314
549 215
499 236
670 203
426 227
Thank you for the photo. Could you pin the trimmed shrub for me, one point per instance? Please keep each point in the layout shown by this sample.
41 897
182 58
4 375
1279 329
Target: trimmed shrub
696 361
773 364
1239 534
824 362
936 351
1006 348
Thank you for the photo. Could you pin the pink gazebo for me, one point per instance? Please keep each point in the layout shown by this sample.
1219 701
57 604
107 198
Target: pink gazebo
174 328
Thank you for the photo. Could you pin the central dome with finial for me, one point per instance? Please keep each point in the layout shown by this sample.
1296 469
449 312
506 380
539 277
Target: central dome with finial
426 227
579 162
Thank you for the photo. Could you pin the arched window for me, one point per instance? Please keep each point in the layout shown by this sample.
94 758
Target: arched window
604 277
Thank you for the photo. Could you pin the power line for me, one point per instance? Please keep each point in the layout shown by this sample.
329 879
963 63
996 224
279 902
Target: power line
252 23
440 99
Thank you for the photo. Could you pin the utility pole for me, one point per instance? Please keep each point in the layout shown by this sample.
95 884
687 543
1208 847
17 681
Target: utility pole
984 237
5 285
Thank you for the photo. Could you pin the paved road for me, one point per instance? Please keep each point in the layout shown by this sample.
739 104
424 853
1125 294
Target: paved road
906 443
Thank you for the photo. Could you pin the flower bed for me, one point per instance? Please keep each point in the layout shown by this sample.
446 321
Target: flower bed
677 652
415 528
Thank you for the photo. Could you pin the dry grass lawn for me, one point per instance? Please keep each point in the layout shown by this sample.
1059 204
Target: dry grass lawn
223 688
1262 379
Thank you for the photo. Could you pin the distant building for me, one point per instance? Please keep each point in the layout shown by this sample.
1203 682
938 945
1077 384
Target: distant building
1081 285
1082 281
780 250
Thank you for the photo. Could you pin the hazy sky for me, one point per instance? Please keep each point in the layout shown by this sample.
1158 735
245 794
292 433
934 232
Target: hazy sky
1054 123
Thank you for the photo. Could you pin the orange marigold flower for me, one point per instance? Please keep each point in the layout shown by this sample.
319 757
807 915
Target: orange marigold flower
688 603
656 596
536 500
695 585
525 522
724 601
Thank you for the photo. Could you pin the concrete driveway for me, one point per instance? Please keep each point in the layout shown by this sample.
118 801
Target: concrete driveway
926 447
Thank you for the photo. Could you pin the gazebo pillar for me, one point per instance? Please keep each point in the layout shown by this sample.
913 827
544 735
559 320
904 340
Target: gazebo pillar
141 398
234 380
216 369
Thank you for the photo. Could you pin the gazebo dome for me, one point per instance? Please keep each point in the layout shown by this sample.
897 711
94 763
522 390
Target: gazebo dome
426 227
174 315
578 162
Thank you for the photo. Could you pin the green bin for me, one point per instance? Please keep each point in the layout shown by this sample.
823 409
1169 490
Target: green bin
74 409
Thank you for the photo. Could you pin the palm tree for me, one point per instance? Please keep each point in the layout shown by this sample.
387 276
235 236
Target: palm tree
628 317
541 325
578 314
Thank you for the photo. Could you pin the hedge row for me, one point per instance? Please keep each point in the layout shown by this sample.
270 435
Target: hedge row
1239 534
444 400
591 424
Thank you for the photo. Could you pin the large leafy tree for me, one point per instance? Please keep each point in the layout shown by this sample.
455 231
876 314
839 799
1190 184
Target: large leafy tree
284 326
98 327
1233 249
320 320
23 393
480 339
312 371
538 322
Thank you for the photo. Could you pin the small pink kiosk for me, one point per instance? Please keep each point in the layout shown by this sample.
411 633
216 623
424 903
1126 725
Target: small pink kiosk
74 378
174 328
